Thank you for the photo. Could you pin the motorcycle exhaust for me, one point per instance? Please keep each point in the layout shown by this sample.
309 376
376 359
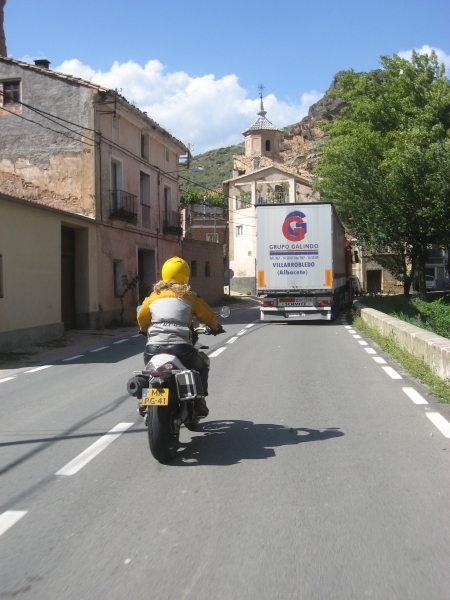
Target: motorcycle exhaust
135 386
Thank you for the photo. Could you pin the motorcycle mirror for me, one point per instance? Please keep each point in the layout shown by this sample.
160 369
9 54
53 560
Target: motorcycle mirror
224 312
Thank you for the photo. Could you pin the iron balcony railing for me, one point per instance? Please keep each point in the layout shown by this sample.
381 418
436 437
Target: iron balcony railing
123 206
172 223
274 198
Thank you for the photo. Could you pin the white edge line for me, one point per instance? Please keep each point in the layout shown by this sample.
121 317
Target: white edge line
414 395
392 373
379 360
370 350
217 352
120 341
241 332
39 369
357 337
98 349
231 340
9 518
351 330
72 357
87 455
6 379
362 342
348 327
441 423
248 326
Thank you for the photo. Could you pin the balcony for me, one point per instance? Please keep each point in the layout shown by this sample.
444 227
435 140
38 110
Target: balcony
273 198
172 223
123 206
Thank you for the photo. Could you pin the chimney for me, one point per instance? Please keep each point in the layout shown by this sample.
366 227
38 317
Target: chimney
42 62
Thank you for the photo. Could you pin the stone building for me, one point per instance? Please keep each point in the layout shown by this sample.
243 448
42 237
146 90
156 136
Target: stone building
89 195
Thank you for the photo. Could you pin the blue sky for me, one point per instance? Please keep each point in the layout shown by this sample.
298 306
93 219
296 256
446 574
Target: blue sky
195 65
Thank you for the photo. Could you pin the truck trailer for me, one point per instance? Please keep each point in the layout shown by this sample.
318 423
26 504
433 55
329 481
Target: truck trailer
303 262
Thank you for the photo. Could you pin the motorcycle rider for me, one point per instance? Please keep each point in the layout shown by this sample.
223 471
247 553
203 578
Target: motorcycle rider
167 316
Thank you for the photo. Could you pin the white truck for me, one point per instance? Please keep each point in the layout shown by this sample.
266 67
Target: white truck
303 262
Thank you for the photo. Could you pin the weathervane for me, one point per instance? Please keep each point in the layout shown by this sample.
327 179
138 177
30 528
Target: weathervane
262 112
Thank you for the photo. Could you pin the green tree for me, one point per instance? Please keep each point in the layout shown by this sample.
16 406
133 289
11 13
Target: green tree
195 195
386 162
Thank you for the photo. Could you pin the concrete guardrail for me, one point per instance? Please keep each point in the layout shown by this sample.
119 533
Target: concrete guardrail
433 349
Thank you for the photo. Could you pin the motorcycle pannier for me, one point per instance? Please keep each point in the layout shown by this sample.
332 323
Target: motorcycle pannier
189 385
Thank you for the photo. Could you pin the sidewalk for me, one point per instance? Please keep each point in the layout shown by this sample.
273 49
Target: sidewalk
75 341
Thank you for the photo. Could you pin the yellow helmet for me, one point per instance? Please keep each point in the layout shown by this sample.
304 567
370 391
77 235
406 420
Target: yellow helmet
175 269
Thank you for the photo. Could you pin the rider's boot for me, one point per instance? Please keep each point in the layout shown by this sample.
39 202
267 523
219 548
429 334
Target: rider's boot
200 407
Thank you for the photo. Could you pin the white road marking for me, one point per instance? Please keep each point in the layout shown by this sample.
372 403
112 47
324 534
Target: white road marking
370 350
39 369
392 373
351 330
414 395
379 360
87 455
72 357
441 423
9 518
241 332
357 337
348 327
362 342
98 349
248 326
120 341
217 352
6 379
137 335
231 340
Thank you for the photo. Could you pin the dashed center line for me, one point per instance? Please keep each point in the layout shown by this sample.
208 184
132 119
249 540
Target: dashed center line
9 518
98 349
72 357
241 332
120 341
232 340
82 459
6 379
217 352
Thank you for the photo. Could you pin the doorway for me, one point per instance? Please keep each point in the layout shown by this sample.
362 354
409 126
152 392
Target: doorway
68 312
146 273
373 281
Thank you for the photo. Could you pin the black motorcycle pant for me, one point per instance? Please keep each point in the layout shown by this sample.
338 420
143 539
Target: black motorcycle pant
189 356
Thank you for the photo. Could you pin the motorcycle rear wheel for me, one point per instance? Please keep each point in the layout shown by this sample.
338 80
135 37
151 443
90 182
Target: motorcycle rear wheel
163 437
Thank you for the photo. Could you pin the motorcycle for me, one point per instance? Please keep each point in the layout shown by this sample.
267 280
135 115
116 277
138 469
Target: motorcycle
167 394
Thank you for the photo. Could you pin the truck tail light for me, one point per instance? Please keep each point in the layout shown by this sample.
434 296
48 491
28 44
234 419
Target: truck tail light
323 302
267 303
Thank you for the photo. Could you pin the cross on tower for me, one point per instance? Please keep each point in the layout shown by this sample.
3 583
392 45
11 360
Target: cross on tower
261 88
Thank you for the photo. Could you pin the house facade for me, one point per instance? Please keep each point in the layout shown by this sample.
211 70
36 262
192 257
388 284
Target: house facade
89 201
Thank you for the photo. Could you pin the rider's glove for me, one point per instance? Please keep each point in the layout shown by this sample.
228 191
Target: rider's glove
217 330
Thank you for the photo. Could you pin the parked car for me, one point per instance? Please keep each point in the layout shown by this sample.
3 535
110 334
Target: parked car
357 289
430 282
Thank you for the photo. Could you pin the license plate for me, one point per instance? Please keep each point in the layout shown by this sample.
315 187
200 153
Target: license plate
155 397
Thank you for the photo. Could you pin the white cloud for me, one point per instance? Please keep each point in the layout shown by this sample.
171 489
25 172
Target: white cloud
204 111
442 56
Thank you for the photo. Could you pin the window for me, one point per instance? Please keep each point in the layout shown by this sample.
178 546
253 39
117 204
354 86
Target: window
144 146
118 277
244 200
267 145
212 237
167 201
11 93
193 268
207 268
1 276
144 194
116 185
167 156
239 230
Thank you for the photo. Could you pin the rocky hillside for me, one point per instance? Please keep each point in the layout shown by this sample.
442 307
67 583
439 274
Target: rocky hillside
300 147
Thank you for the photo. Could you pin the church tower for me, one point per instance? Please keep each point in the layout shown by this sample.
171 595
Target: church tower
262 138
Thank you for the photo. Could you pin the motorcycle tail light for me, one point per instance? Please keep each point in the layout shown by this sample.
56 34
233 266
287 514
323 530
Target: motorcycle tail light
156 373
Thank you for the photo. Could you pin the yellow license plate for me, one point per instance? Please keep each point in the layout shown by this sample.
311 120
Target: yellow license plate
155 397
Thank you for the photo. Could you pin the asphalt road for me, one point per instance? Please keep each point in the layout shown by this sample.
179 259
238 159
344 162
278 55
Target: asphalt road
315 476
